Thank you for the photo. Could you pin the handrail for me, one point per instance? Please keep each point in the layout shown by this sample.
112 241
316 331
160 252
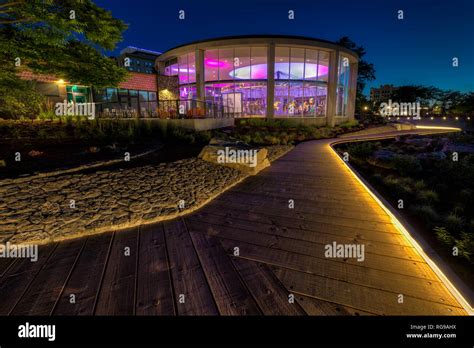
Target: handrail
168 109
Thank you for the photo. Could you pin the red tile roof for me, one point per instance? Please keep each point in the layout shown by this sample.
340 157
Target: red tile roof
144 82
140 81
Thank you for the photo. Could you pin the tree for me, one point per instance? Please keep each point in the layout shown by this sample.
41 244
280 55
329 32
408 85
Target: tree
465 105
449 101
365 72
65 38
415 93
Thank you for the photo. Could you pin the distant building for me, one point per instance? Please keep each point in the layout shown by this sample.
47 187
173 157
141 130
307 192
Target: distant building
138 60
382 94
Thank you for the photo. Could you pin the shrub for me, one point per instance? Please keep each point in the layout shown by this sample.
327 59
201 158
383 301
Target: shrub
349 124
419 185
203 137
425 213
406 164
444 236
454 222
402 187
20 100
362 149
465 245
427 196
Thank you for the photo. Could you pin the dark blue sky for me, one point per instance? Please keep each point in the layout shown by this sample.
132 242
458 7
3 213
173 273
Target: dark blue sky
416 50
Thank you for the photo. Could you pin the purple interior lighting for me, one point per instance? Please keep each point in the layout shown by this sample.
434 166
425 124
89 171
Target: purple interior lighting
183 70
214 63
293 70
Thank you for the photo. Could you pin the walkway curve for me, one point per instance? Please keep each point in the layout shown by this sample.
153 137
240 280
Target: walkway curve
259 248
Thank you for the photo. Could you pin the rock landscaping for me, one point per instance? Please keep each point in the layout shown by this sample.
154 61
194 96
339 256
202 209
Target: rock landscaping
44 209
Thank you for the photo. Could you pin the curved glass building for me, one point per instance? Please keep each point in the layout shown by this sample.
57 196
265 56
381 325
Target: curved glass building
264 76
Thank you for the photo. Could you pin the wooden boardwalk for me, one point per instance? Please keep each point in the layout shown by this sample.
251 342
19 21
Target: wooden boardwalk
245 253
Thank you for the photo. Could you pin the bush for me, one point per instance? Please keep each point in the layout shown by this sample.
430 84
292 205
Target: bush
361 149
454 222
349 124
425 213
465 245
400 186
444 236
20 100
427 196
407 165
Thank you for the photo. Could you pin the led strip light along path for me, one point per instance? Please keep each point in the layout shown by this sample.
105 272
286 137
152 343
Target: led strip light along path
396 217
282 251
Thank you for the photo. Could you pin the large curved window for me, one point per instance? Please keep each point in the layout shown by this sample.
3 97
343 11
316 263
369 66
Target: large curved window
300 82
236 78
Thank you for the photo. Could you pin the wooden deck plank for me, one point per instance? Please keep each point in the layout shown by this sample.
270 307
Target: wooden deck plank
189 282
86 277
5 264
374 261
310 198
44 292
315 306
360 297
380 248
294 222
352 274
117 291
281 251
270 294
19 277
304 206
154 288
284 211
230 294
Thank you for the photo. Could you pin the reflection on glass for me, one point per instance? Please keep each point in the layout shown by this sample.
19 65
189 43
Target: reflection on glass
211 65
296 63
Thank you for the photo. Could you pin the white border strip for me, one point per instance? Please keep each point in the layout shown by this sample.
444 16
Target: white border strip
445 280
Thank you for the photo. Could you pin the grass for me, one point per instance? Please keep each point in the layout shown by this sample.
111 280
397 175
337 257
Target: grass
263 132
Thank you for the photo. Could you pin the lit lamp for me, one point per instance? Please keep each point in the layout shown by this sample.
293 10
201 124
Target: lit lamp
60 81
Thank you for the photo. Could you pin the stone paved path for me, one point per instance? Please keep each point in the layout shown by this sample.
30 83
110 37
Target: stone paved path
244 253
46 209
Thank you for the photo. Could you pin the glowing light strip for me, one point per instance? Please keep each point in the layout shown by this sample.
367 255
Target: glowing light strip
451 288
438 127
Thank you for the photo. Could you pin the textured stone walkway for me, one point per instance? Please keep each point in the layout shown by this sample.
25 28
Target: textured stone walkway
45 209
245 253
